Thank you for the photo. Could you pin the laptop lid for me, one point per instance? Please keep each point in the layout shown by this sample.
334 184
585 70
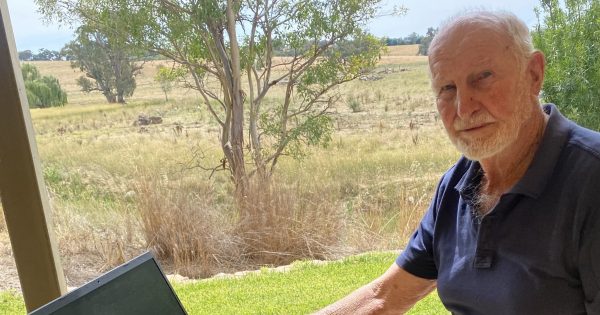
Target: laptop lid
136 287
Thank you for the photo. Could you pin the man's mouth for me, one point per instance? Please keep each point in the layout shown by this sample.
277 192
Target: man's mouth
474 127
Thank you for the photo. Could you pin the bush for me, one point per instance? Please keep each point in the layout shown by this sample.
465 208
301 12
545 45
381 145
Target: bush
167 77
42 91
354 105
569 35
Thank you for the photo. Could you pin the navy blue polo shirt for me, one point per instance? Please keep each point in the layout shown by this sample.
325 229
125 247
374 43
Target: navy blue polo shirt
537 251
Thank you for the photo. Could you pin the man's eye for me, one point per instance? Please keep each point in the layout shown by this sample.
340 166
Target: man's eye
446 92
484 74
447 88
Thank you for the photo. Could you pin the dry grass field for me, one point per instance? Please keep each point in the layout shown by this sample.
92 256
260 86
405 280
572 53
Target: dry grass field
117 189
402 54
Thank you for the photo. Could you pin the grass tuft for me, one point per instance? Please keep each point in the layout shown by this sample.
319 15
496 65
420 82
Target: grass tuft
280 225
181 225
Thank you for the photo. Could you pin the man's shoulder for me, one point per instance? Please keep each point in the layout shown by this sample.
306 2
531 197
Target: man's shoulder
585 142
580 161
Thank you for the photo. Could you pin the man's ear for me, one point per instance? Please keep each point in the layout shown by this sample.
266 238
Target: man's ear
535 70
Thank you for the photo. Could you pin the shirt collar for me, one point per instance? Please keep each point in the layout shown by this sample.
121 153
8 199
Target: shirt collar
542 166
467 185
544 162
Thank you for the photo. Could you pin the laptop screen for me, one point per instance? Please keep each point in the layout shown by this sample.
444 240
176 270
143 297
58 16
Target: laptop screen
136 287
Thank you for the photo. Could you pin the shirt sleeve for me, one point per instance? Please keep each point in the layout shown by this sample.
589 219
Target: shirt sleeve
417 258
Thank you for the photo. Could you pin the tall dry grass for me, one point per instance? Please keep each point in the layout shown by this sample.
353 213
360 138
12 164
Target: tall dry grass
282 225
183 226
93 242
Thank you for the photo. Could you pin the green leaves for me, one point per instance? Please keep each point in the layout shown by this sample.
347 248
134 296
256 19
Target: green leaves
42 91
106 58
343 61
312 130
569 36
319 21
166 77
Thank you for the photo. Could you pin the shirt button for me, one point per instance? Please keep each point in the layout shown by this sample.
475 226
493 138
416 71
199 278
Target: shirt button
484 259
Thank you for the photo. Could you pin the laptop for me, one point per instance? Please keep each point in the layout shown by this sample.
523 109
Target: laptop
136 287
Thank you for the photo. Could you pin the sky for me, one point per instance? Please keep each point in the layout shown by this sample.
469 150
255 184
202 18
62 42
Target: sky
31 33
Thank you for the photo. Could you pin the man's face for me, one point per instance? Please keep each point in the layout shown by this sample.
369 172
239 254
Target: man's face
481 89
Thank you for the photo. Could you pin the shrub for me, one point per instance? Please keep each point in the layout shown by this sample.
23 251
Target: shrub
42 91
167 77
568 34
354 105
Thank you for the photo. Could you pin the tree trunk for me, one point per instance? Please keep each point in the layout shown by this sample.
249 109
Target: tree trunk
237 102
257 155
111 98
120 98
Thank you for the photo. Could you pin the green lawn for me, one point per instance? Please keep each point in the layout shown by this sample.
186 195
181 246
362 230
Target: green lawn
11 303
304 289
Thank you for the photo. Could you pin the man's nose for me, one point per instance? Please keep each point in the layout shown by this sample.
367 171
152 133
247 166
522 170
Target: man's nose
466 104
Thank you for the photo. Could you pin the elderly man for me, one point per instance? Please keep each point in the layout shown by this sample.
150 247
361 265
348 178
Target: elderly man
514 226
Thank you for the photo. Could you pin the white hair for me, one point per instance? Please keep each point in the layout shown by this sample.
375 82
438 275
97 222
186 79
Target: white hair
502 22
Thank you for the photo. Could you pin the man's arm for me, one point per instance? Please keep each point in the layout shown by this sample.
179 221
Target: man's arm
394 292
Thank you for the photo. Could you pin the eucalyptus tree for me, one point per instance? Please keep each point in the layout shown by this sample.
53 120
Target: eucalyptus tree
267 106
110 63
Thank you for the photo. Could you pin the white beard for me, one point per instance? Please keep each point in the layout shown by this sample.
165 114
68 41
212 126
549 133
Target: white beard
506 133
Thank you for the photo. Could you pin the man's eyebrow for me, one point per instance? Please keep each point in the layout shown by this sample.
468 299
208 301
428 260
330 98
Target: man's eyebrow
481 62
438 81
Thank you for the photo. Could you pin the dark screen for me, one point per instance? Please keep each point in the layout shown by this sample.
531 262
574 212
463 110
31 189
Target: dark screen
141 290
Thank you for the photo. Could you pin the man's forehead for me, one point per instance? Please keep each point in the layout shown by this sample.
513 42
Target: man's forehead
472 61
473 54
474 47
470 36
